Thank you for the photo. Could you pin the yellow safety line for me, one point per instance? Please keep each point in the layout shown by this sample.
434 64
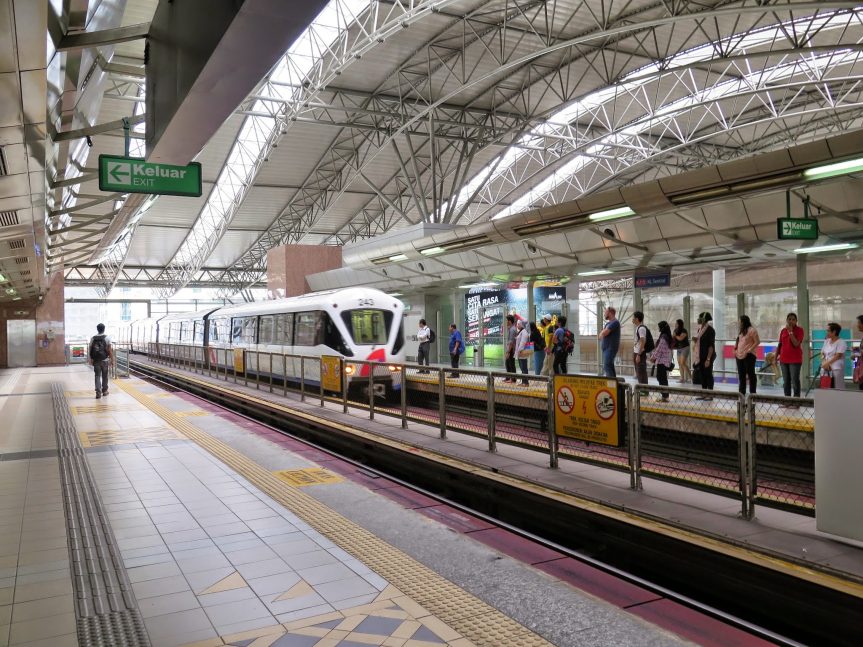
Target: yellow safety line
464 612
642 521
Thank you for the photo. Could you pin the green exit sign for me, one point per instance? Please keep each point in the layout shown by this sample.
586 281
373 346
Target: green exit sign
132 175
797 228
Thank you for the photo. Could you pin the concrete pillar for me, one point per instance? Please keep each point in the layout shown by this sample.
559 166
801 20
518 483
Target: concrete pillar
600 323
572 321
803 316
719 317
288 266
741 304
531 306
687 313
637 300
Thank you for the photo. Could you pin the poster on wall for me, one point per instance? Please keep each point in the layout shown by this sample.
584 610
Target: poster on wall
486 309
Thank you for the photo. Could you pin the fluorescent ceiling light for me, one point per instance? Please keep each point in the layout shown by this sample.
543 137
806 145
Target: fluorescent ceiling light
394 294
2 279
611 214
398 257
832 170
825 248
595 273
478 285
431 251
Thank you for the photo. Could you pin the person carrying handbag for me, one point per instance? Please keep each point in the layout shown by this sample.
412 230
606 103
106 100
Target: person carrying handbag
662 357
522 349
833 359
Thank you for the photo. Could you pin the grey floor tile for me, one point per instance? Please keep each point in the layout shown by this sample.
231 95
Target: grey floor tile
348 603
273 585
140 542
172 538
46 576
308 612
286 606
41 628
66 640
309 560
344 589
223 530
177 526
5 614
132 553
230 613
255 570
247 625
192 545
326 573
153 572
168 603
147 560
40 590
294 544
246 555
161 586
223 597
206 563
202 580
227 540
182 623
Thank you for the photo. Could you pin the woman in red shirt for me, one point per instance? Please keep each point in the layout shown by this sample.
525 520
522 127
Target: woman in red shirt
791 354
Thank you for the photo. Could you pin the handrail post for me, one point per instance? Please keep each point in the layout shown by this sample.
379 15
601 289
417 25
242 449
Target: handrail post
270 371
489 390
344 366
441 380
302 378
636 434
257 370
630 441
404 395
321 379
371 390
551 424
284 375
752 456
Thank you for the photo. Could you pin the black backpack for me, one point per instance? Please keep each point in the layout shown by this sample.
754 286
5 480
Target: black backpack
432 336
649 344
98 349
568 341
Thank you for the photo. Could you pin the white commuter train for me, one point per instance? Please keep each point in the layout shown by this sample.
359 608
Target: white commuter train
356 323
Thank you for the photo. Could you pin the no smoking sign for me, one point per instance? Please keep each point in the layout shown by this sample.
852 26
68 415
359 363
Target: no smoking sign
565 400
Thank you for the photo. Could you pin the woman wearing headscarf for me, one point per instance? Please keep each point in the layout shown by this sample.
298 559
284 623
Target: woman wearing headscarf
662 357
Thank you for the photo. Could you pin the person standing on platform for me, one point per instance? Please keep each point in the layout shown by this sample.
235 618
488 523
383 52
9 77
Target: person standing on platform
99 353
705 345
559 345
745 348
538 341
548 334
509 348
639 348
610 342
522 352
833 355
858 368
790 354
456 348
663 357
681 345
424 338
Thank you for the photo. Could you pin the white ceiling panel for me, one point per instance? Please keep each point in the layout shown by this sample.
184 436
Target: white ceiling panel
154 246
233 244
261 207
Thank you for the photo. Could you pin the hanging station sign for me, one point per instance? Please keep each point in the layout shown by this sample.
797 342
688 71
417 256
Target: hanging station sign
133 175
797 228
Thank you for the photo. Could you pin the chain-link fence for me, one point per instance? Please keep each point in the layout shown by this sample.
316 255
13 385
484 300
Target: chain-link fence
691 436
759 449
781 451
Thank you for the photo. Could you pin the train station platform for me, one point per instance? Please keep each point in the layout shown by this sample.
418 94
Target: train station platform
151 517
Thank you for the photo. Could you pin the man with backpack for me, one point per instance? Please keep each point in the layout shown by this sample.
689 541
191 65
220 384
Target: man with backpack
100 355
564 342
643 345
425 336
456 348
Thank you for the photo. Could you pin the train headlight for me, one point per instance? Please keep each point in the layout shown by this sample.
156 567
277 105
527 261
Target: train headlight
393 368
349 369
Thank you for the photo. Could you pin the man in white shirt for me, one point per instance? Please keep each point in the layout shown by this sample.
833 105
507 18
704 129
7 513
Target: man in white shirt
833 355
424 338
639 348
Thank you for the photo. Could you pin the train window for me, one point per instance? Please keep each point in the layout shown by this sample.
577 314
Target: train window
367 326
267 330
306 328
217 329
243 330
333 338
199 332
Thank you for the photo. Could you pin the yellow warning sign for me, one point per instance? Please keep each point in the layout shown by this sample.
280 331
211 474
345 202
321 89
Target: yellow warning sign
331 372
239 361
308 476
587 408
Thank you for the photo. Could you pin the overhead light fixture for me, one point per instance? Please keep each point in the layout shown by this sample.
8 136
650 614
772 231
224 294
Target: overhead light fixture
595 273
825 248
478 285
431 251
2 279
611 214
394 294
832 170
398 257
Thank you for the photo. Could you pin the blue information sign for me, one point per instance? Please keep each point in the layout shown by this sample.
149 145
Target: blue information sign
645 280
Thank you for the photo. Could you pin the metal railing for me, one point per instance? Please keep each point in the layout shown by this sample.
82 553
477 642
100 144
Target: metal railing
755 448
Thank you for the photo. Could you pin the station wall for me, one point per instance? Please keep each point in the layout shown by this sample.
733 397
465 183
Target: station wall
50 340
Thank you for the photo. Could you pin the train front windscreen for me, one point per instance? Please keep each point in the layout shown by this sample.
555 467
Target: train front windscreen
367 326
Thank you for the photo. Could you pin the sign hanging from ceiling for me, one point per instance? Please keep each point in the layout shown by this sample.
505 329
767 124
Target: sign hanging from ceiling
655 279
133 175
797 228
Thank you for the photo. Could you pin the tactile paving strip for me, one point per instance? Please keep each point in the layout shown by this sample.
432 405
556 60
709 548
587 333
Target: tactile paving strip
105 606
471 617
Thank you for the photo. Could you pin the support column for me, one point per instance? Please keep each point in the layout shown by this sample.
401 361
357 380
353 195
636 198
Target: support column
600 323
803 316
572 321
687 314
741 304
531 306
719 319
637 300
